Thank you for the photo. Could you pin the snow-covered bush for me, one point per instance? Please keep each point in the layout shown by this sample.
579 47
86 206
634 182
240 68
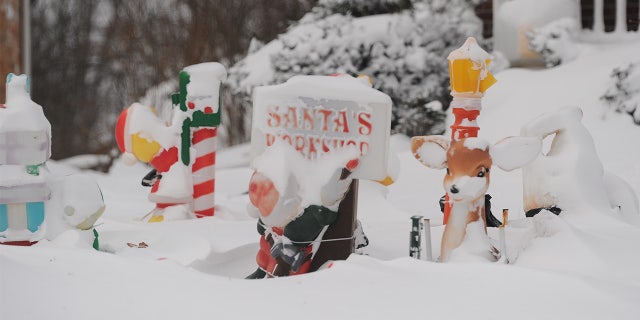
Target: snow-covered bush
624 93
359 8
555 41
404 53
499 62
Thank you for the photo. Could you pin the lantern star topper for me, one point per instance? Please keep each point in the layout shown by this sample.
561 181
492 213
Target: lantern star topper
468 70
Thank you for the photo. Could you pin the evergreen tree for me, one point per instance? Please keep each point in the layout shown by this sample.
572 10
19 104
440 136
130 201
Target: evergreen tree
403 48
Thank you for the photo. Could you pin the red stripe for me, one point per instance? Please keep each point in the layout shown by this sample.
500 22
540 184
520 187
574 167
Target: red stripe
204 161
165 205
201 189
203 134
24 243
205 213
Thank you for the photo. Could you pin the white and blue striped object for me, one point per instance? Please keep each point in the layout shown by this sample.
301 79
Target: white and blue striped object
20 216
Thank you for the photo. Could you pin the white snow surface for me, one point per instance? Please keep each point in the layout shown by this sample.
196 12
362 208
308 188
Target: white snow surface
579 265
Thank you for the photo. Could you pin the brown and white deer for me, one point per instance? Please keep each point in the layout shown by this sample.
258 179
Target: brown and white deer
468 162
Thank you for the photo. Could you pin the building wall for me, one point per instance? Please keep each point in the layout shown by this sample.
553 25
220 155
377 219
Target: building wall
485 12
10 43
609 8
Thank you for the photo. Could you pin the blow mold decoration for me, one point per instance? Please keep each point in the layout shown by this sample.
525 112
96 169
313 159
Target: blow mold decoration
34 203
468 164
467 158
469 70
570 176
182 152
470 78
313 137
295 200
25 138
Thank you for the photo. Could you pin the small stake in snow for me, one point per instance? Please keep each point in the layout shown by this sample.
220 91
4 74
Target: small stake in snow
503 237
415 240
427 239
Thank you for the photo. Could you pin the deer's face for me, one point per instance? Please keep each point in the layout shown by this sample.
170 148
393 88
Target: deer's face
468 161
468 171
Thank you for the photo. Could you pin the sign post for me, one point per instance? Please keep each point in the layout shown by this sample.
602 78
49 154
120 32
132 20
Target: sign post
317 115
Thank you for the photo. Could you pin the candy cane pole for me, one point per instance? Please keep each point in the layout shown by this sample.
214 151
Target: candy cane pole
469 78
204 171
199 99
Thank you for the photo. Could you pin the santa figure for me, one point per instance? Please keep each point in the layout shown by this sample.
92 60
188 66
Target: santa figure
292 212
142 136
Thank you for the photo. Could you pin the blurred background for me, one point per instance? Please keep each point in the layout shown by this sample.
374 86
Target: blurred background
89 59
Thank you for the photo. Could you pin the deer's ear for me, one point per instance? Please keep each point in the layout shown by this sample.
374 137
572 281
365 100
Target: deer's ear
431 150
515 152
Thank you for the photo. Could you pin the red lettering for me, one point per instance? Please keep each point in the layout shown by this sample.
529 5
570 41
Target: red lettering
270 139
274 118
364 148
287 138
364 118
300 143
341 123
325 113
291 118
308 123
325 146
313 152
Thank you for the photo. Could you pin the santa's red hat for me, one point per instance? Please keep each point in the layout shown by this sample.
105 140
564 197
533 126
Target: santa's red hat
123 136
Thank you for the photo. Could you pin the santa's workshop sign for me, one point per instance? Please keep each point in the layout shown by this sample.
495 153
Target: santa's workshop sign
319 114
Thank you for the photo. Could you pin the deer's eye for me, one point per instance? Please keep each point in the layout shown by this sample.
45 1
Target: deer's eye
482 173
448 172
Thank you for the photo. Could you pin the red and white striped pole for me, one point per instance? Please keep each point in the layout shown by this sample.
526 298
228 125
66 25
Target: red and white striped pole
199 99
204 172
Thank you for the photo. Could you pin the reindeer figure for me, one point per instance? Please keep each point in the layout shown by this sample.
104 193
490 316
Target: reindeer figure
468 162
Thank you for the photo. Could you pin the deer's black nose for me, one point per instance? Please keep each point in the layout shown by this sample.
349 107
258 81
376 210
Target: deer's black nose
454 189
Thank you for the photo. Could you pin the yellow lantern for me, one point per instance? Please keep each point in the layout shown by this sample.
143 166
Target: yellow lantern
468 70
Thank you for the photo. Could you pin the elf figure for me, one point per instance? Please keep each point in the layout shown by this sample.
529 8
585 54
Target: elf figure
141 135
289 224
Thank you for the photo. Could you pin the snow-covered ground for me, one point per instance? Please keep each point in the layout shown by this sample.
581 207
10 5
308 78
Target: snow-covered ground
580 265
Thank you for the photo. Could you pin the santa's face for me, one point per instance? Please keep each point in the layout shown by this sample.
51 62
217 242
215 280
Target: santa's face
263 194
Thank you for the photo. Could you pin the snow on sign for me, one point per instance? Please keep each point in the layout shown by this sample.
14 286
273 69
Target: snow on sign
317 114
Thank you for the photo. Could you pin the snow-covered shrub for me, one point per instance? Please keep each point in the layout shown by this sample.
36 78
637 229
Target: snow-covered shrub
499 62
624 93
554 41
404 53
412 121
359 8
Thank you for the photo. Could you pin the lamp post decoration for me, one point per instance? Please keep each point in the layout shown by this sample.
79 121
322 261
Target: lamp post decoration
470 77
